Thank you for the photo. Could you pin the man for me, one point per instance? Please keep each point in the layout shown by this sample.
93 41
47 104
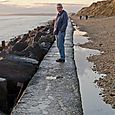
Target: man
60 26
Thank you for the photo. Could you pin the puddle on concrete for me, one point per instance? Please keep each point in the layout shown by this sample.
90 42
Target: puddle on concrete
92 102
51 77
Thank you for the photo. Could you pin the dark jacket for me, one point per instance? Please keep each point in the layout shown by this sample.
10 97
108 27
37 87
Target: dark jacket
61 22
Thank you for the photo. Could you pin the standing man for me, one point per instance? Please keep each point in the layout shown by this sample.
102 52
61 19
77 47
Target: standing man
60 26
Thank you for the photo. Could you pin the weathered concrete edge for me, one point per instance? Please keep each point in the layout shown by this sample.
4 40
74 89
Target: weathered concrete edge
38 78
72 23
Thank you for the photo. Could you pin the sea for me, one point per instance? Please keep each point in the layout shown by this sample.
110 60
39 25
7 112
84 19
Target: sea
14 25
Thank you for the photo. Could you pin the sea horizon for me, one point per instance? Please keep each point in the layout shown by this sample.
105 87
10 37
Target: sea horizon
13 25
49 8
28 14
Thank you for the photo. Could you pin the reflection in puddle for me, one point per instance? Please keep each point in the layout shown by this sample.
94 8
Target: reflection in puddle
92 103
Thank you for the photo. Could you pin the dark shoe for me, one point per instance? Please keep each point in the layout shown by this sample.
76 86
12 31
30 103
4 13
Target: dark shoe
60 60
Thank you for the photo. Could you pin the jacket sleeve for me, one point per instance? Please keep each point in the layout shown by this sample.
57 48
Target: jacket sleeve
55 31
65 22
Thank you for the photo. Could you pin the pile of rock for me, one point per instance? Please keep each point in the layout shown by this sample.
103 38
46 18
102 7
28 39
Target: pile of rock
34 44
20 60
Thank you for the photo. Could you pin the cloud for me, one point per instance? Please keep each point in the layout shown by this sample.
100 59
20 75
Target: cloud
39 8
4 1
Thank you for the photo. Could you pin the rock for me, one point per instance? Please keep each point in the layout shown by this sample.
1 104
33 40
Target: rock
21 59
100 45
113 85
14 40
112 94
3 95
100 93
103 95
95 81
113 105
45 28
37 36
19 46
47 38
35 51
24 38
46 46
15 71
1 48
38 51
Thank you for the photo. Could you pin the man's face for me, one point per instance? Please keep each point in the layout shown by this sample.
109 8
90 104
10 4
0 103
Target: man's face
59 8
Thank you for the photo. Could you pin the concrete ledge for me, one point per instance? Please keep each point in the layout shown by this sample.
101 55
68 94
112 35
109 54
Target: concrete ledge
54 90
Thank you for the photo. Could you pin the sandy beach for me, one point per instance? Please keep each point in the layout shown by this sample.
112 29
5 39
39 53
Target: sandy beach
101 33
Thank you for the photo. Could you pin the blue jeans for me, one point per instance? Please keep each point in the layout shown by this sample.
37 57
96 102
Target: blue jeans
60 44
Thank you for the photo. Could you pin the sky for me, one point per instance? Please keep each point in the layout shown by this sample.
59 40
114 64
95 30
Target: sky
40 6
34 2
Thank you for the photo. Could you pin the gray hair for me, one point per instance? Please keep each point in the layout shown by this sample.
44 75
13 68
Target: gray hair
59 5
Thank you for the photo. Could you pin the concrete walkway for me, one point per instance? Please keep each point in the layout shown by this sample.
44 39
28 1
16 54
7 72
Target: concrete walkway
54 90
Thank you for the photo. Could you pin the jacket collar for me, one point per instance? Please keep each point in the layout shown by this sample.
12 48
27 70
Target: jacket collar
59 14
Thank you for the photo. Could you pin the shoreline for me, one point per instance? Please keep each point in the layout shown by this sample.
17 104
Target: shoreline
27 14
101 35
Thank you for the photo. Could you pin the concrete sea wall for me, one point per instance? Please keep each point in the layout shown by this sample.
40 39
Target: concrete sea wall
54 89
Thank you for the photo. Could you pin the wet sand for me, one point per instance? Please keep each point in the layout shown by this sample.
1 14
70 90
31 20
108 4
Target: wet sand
101 32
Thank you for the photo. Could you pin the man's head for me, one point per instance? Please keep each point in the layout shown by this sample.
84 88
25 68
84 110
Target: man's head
59 7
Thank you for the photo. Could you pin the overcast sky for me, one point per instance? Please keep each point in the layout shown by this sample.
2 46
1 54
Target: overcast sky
33 2
38 6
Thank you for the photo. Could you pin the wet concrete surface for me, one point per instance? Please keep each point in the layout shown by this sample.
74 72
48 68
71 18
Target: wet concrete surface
54 89
92 102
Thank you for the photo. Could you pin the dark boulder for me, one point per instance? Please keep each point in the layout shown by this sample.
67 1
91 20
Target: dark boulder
19 46
15 71
3 95
37 36
14 40
47 38
24 38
